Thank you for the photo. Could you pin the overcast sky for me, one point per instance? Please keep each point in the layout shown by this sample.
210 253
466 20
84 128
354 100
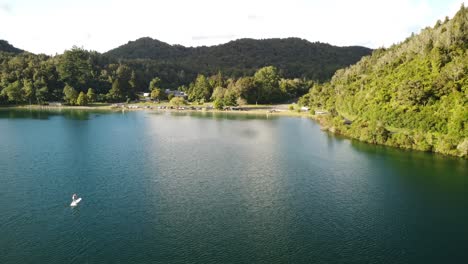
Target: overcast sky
51 26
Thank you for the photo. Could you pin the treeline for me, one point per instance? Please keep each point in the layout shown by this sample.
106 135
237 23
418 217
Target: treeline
7 47
79 77
412 95
293 57
266 86
29 78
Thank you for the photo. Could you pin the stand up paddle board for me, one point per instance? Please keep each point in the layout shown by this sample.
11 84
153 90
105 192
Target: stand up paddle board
75 203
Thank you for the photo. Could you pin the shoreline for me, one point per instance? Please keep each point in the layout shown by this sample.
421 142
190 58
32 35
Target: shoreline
108 107
259 111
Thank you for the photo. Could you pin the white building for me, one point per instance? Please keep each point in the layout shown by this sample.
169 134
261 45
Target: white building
176 93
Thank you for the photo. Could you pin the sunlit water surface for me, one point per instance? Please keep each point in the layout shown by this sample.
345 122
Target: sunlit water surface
219 188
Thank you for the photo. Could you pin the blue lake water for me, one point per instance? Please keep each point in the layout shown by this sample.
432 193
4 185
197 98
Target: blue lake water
219 188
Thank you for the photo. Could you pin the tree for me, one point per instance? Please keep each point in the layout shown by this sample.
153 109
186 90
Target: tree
154 84
13 92
74 67
267 82
218 93
70 94
155 93
230 97
411 95
115 93
200 90
241 101
41 95
177 101
91 95
218 104
245 87
28 90
82 99
123 85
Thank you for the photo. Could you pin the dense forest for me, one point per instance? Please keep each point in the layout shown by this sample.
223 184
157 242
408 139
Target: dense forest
411 95
293 57
229 74
79 77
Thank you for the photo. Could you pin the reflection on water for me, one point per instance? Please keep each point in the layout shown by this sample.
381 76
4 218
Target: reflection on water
44 114
180 187
223 116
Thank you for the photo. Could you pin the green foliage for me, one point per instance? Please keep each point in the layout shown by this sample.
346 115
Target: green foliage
463 148
177 101
91 95
241 101
267 83
155 93
196 71
82 99
218 103
230 97
75 68
28 91
154 84
41 94
218 93
13 92
417 89
122 85
70 95
200 90
292 56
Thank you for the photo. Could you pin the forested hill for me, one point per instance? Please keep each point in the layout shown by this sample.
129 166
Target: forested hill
411 95
7 47
294 57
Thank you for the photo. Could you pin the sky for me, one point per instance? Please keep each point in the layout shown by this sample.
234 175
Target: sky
52 26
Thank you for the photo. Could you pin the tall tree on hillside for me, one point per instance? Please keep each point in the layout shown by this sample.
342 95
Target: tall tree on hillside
74 68
123 85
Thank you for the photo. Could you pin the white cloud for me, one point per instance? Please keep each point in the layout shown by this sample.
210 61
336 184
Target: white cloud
51 26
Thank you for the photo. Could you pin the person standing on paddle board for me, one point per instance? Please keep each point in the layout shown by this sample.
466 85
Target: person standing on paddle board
74 196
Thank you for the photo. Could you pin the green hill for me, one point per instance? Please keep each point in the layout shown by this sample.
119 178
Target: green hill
7 47
411 95
294 57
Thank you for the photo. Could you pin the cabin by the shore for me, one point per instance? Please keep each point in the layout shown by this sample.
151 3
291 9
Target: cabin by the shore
176 93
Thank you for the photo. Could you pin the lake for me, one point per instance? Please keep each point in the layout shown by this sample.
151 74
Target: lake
219 188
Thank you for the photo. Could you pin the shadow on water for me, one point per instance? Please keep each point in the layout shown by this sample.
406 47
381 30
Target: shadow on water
424 170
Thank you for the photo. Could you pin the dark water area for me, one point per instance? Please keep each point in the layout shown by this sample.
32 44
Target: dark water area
219 188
